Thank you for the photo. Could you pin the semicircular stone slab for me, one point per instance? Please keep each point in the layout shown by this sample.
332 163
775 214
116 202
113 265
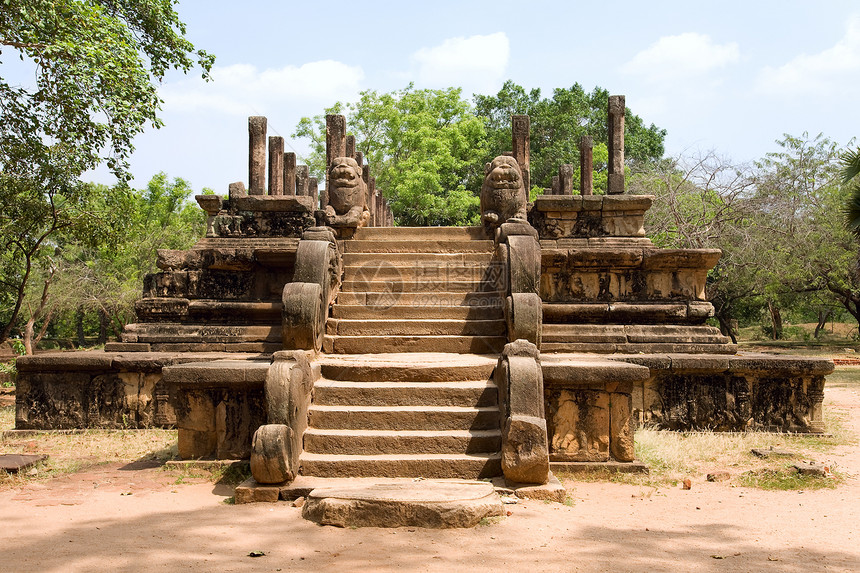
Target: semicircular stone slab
426 503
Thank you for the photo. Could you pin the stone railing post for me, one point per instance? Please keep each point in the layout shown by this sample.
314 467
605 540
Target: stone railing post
276 165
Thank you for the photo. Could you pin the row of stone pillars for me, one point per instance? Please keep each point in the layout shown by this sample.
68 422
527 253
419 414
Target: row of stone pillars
285 177
339 144
562 184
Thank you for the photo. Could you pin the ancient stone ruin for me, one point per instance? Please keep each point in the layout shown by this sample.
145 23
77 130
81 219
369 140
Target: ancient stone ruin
308 334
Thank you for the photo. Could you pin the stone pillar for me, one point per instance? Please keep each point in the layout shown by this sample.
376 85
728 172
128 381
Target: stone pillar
256 155
565 179
556 185
289 173
359 158
615 128
314 190
302 176
276 165
372 205
335 138
586 165
520 127
350 148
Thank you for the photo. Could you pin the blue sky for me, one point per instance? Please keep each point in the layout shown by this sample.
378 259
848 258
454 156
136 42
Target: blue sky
728 76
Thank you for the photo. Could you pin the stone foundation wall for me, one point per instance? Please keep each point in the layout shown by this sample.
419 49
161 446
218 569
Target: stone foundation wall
731 393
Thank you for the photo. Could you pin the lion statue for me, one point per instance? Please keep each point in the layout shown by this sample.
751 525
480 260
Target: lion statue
503 195
347 195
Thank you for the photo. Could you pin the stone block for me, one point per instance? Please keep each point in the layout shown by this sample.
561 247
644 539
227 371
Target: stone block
524 449
578 423
621 427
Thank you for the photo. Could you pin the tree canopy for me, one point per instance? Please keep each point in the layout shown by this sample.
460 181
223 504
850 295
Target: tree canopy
427 148
95 65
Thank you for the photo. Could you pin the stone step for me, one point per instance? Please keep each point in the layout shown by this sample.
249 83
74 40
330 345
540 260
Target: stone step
387 442
408 367
635 334
403 417
435 311
357 259
166 332
435 466
471 393
415 327
384 300
418 246
437 275
420 233
425 285
335 344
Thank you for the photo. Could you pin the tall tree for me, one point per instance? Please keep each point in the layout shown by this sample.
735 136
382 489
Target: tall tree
95 66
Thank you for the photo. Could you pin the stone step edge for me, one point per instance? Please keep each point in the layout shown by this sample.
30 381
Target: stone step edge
489 433
399 409
399 384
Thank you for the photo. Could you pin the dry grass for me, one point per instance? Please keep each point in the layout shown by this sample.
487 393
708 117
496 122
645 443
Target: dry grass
73 452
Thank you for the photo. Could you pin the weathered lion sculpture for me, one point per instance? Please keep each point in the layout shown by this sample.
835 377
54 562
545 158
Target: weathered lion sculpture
347 195
503 195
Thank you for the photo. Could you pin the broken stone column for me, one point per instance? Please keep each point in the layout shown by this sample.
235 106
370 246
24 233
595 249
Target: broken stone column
586 165
335 138
289 173
276 165
350 147
314 191
257 155
555 185
615 127
302 182
520 126
565 179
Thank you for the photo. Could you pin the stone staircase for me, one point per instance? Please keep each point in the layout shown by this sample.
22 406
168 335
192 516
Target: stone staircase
432 415
411 344
417 289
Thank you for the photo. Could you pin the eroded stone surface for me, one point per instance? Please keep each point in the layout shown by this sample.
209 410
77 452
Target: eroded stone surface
431 504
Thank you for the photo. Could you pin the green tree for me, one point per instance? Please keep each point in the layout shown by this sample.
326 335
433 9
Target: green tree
95 66
105 279
558 123
851 178
422 147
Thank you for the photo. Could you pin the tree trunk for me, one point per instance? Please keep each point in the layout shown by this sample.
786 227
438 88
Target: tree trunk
776 320
822 321
28 336
727 329
103 324
34 316
79 326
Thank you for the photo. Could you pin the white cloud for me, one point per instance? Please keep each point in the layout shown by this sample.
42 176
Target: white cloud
477 63
682 56
835 68
241 88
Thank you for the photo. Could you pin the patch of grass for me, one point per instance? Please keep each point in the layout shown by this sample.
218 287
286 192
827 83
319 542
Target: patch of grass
7 417
786 478
72 452
234 474
568 501
487 521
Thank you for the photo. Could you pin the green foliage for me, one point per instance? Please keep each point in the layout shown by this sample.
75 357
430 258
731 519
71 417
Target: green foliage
422 146
557 124
95 68
851 177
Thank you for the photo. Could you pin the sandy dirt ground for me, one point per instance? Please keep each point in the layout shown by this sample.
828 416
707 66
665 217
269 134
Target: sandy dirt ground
136 518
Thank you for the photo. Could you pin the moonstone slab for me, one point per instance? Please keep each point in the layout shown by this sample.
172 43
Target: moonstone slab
424 503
